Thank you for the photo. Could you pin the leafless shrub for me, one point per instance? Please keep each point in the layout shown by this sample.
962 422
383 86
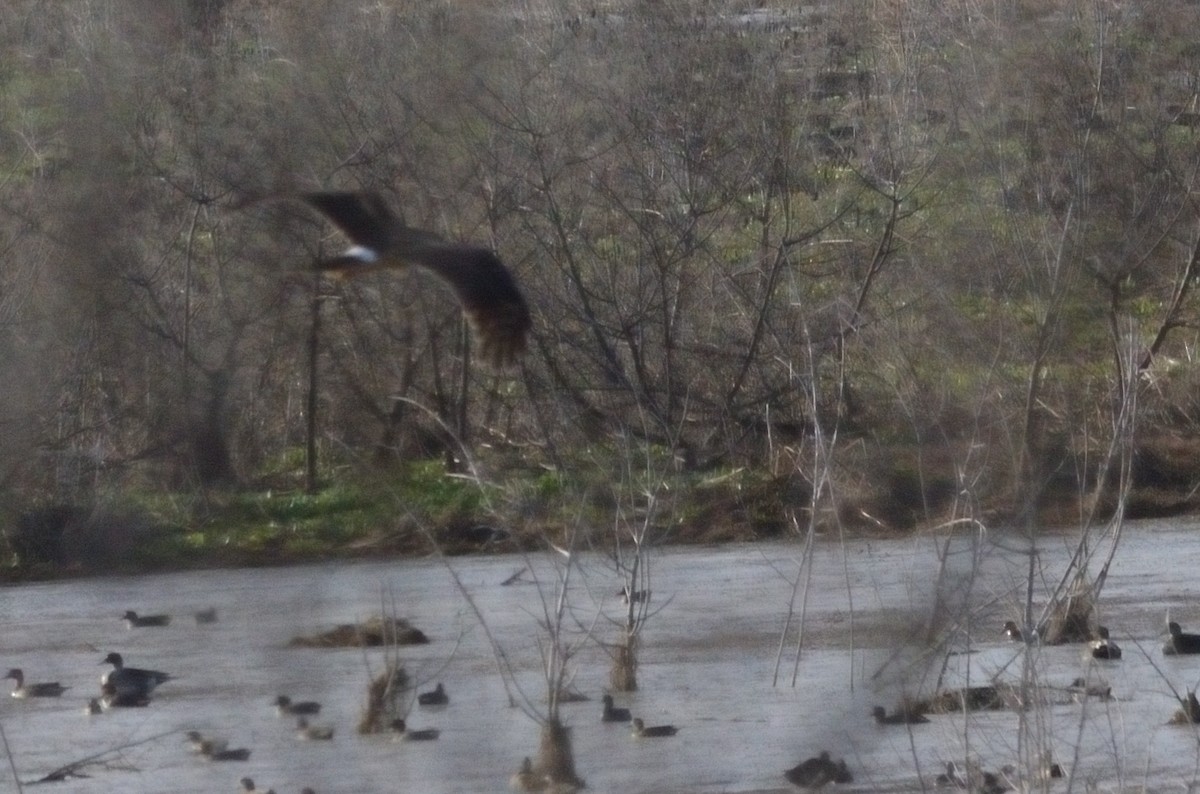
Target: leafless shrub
385 699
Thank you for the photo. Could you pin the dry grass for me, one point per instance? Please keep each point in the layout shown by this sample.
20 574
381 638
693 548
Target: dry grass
373 633
384 699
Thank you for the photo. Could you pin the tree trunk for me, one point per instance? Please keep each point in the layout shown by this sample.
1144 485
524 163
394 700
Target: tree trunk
624 670
556 759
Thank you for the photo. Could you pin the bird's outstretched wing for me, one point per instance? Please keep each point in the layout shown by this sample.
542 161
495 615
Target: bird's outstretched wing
490 297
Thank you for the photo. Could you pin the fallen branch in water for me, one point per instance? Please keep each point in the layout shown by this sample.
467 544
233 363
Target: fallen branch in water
73 769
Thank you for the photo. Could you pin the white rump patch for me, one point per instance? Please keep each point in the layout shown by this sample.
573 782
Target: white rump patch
361 253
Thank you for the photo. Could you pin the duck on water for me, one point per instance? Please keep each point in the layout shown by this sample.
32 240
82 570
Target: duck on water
131 682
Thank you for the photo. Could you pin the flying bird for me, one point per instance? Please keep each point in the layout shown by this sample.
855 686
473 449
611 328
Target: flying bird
489 295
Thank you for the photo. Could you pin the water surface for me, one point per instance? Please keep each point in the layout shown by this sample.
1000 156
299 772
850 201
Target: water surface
708 661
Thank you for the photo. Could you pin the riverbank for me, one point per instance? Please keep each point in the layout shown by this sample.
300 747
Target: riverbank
514 504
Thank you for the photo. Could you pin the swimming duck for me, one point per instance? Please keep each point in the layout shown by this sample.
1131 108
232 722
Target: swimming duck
1049 769
135 621
1080 688
975 779
50 689
1104 648
951 777
93 707
131 683
286 708
315 733
901 717
237 754
204 616
634 596
1180 642
1190 713
402 732
640 731
612 714
816 772
525 779
203 745
437 697
248 786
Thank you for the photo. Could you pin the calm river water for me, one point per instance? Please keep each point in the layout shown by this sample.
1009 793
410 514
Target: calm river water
708 659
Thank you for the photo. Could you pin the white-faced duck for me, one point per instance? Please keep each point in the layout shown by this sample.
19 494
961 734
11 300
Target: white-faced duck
1013 631
1180 643
135 621
284 707
50 689
899 717
613 714
487 291
313 733
404 733
642 731
131 682
1102 647
437 697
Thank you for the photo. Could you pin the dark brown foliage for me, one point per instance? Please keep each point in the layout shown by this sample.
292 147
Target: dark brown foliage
385 695
374 633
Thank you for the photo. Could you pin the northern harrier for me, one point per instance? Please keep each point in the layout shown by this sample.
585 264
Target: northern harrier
488 293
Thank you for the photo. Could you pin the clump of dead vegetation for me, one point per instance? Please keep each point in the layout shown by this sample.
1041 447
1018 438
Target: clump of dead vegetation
373 633
384 699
